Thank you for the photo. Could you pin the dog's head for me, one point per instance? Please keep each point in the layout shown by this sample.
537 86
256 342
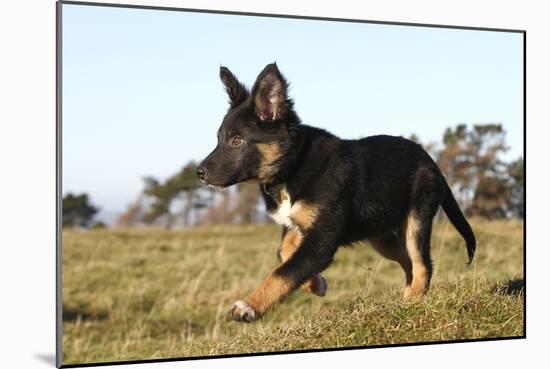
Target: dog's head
257 133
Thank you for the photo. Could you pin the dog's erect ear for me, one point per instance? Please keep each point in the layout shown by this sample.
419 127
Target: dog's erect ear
270 94
236 90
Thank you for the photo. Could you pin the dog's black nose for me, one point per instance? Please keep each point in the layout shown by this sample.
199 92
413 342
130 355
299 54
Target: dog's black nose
201 172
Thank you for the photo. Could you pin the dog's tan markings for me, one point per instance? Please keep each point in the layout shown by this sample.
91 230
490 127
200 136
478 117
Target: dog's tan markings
289 244
281 194
272 290
420 278
304 214
300 214
270 153
392 247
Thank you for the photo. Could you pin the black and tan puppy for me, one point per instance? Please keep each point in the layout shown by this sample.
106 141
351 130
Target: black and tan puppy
327 192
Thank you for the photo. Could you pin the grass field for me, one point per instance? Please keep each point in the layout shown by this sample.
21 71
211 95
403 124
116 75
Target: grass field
143 294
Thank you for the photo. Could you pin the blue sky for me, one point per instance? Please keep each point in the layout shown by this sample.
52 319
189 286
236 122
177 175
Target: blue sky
141 93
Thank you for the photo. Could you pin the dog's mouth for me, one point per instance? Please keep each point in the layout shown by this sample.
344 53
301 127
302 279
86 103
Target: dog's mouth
216 186
212 187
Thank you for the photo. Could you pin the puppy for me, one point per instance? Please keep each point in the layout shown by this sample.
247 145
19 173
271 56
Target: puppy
327 192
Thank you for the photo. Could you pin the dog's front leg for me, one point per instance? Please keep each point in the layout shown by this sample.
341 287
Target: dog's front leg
290 242
312 257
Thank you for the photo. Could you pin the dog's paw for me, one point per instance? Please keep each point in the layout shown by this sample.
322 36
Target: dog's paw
242 312
319 285
316 285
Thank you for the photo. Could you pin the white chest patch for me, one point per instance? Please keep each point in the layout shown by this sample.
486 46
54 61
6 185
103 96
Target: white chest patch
283 213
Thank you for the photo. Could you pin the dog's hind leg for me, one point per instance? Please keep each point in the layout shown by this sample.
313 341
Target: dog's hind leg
392 246
418 229
417 240
290 242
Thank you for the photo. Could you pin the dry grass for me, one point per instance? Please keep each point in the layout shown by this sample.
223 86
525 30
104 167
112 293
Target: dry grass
142 293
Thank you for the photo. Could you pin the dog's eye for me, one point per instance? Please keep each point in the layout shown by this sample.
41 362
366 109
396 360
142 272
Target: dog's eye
236 141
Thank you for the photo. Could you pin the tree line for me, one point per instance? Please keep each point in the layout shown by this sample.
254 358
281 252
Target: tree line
469 157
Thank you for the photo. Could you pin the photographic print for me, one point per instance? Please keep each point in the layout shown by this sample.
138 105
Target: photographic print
240 184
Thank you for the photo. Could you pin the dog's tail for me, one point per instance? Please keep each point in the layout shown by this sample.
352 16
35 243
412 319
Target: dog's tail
457 219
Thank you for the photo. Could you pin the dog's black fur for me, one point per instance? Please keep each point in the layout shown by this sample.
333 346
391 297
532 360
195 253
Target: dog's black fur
383 189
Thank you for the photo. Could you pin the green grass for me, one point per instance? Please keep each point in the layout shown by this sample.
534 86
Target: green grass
150 293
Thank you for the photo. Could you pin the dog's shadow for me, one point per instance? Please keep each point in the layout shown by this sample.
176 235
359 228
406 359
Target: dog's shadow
512 287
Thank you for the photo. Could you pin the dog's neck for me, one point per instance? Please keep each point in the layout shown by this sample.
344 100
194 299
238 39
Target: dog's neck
289 163
311 147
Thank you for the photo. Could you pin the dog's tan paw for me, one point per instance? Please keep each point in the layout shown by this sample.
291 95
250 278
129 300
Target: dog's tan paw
411 294
316 285
407 294
242 312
